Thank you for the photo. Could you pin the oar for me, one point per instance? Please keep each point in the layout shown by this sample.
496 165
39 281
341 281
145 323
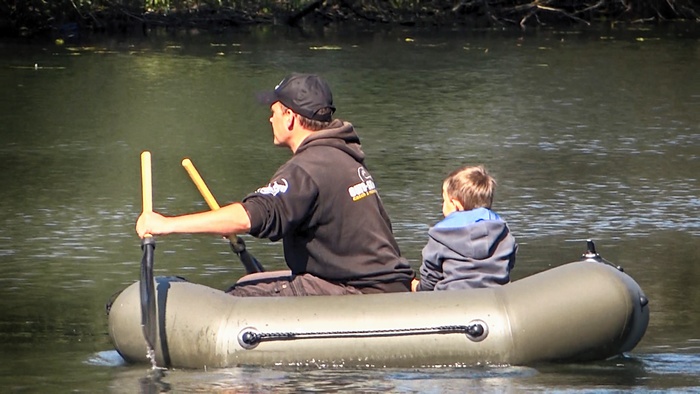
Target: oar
250 263
148 244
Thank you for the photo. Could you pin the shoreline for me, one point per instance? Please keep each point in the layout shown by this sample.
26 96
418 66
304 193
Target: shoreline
519 16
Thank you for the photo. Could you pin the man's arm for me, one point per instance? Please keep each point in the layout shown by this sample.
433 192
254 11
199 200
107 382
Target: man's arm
231 219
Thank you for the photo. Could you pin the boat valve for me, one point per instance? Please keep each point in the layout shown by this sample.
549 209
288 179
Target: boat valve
477 330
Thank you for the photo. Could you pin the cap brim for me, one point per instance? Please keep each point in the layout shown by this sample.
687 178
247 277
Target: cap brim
267 98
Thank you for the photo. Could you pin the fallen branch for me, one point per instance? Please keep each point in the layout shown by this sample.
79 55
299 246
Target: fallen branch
541 7
593 7
295 18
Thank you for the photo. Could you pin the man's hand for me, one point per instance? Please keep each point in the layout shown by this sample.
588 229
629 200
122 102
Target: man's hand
151 223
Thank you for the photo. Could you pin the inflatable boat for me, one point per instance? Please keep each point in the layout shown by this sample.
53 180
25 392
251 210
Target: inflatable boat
579 311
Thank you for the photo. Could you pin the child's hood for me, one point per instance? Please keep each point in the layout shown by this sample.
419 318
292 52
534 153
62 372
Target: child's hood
474 241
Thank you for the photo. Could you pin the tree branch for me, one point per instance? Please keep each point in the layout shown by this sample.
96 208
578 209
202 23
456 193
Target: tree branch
294 19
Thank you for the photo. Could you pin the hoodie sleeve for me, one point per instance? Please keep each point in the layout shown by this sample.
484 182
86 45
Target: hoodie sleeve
431 268
286 203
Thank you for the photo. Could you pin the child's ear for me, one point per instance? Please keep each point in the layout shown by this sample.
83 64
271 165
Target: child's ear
458 205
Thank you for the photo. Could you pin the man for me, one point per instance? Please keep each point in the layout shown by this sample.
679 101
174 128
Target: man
322 203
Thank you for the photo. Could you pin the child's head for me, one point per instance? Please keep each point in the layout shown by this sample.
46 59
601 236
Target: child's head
467 188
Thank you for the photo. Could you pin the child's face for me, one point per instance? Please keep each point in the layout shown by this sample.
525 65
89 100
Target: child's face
449 205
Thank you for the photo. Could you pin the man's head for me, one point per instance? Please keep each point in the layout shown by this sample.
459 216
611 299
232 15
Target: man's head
467 188
306 94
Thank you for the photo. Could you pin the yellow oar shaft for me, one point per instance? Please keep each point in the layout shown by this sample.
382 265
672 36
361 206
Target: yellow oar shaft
146 183
146 186
201 186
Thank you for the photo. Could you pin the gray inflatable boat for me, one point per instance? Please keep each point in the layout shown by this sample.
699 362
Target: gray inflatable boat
580 311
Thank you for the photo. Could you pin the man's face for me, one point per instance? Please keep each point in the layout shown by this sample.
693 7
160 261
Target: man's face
279 122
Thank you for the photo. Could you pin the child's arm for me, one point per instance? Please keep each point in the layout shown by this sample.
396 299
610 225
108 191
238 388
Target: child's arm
431 268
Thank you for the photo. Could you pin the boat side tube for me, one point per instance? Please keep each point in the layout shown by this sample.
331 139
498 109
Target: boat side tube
576 312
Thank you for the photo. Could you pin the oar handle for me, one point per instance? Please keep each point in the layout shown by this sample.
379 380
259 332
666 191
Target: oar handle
146 183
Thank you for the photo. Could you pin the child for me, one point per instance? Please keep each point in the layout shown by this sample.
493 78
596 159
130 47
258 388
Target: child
471 247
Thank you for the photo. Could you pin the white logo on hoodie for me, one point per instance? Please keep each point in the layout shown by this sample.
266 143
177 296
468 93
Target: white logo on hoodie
274 188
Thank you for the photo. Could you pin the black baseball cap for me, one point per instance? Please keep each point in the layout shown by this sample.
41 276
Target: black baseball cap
304 94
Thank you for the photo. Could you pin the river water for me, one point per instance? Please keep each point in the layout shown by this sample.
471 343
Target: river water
590 134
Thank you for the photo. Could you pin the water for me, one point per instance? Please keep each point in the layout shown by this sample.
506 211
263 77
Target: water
590 134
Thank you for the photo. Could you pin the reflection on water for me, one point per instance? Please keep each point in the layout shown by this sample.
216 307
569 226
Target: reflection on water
639 373
107 358
590 135
264 380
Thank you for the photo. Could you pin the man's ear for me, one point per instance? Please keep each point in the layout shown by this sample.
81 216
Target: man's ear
290 118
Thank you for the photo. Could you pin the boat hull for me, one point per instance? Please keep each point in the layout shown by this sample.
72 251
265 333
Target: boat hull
575 312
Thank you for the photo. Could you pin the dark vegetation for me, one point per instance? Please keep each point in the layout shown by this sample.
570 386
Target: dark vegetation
63 17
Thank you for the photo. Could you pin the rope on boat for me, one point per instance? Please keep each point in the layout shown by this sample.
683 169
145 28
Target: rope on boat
250 337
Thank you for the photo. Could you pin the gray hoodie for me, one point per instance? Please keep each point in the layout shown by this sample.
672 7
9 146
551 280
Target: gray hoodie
468 249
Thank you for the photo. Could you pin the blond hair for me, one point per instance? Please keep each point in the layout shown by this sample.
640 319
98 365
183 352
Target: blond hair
472 186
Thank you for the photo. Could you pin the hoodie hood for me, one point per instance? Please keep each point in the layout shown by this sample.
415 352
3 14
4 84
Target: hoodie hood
470 233
340 135
476 240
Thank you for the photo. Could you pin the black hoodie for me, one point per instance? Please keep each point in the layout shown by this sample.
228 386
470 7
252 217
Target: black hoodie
324 205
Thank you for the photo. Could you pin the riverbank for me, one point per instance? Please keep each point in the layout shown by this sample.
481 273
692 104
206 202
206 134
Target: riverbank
65 21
